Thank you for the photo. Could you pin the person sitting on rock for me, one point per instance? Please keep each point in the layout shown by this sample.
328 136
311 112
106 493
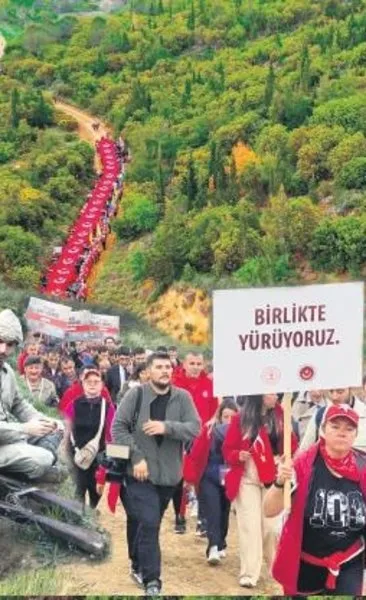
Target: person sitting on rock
24 432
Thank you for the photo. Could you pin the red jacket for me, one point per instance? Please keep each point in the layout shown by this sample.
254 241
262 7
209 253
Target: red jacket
235 442
21 360
74 391
287 561
201 390
195 461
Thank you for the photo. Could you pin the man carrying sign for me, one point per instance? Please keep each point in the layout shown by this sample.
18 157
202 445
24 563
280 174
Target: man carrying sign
24 432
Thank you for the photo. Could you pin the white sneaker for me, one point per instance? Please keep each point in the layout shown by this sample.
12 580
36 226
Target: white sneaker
222 553
194 508
246 582
213 556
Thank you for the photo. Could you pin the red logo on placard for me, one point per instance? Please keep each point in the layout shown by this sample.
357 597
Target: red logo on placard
271 375
307 373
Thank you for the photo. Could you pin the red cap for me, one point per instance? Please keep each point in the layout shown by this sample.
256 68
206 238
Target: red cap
341 411
85 374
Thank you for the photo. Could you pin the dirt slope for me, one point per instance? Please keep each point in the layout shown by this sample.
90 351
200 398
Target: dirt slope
184 568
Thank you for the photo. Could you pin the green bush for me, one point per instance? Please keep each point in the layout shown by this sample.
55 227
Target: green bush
140 215
338 245
265 270
353 174
137 263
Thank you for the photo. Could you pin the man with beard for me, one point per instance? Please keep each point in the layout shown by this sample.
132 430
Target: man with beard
23 430
166 420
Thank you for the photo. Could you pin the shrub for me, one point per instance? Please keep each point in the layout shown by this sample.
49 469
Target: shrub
137 263
339 244
140 215
353 174
265 270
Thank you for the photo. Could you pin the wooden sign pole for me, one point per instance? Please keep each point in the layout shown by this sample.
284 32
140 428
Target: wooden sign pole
287 445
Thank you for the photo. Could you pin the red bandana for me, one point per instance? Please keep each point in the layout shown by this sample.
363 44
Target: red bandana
345 467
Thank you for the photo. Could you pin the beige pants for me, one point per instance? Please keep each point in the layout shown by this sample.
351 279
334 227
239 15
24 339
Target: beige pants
21 457
257 534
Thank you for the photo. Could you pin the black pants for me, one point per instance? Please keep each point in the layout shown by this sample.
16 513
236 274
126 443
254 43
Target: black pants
177 498
216 509
349 581
85 483
145 504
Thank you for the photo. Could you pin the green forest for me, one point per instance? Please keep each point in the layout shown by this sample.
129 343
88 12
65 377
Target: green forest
246 122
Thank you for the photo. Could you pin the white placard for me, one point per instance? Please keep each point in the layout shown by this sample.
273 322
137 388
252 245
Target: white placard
47 317
288 339
103 326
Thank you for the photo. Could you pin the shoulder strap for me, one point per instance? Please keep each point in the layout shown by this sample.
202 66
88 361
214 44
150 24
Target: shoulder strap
136 412
318 419
100 428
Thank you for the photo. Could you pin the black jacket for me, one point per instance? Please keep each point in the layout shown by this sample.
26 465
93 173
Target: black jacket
113 381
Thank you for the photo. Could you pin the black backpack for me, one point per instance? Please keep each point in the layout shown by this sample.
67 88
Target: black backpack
318 420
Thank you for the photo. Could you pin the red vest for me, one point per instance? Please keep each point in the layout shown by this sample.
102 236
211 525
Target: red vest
201 390
287 561
195 461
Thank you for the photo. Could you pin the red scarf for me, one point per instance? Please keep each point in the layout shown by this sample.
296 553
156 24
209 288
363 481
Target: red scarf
261 452
345 467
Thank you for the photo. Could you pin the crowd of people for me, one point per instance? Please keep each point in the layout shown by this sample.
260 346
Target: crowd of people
71 264
219 459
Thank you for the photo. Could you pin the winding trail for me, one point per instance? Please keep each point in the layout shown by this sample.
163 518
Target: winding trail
85 126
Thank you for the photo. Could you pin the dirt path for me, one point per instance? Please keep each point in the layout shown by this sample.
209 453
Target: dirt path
85 121
184 568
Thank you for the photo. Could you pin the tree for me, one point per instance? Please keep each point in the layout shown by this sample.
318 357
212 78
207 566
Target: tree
18 248
190 185
191 21
14 109
42 113
290 223
140 215
168 252
305 63
270 88
339 244
353 174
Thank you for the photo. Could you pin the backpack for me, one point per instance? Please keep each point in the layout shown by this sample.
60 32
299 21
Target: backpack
318 420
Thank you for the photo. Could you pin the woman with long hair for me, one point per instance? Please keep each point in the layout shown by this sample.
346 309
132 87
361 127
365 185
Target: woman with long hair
253 445
322 545
205 468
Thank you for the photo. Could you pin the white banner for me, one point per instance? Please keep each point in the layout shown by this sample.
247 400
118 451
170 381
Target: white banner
288 339
47 317
79 326
103 326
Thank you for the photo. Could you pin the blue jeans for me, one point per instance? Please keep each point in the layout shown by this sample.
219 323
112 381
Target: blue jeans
216 509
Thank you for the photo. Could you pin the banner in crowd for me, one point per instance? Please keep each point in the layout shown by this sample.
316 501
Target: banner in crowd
104 325
62 322
78 327
47 317
288 339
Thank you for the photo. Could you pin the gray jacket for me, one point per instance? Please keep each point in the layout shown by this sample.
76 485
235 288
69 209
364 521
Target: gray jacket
182 424
14 410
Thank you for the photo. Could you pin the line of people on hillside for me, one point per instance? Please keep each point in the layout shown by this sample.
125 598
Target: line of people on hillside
186 444
96 244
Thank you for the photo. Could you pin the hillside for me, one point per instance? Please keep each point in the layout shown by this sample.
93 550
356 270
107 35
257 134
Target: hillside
188 82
